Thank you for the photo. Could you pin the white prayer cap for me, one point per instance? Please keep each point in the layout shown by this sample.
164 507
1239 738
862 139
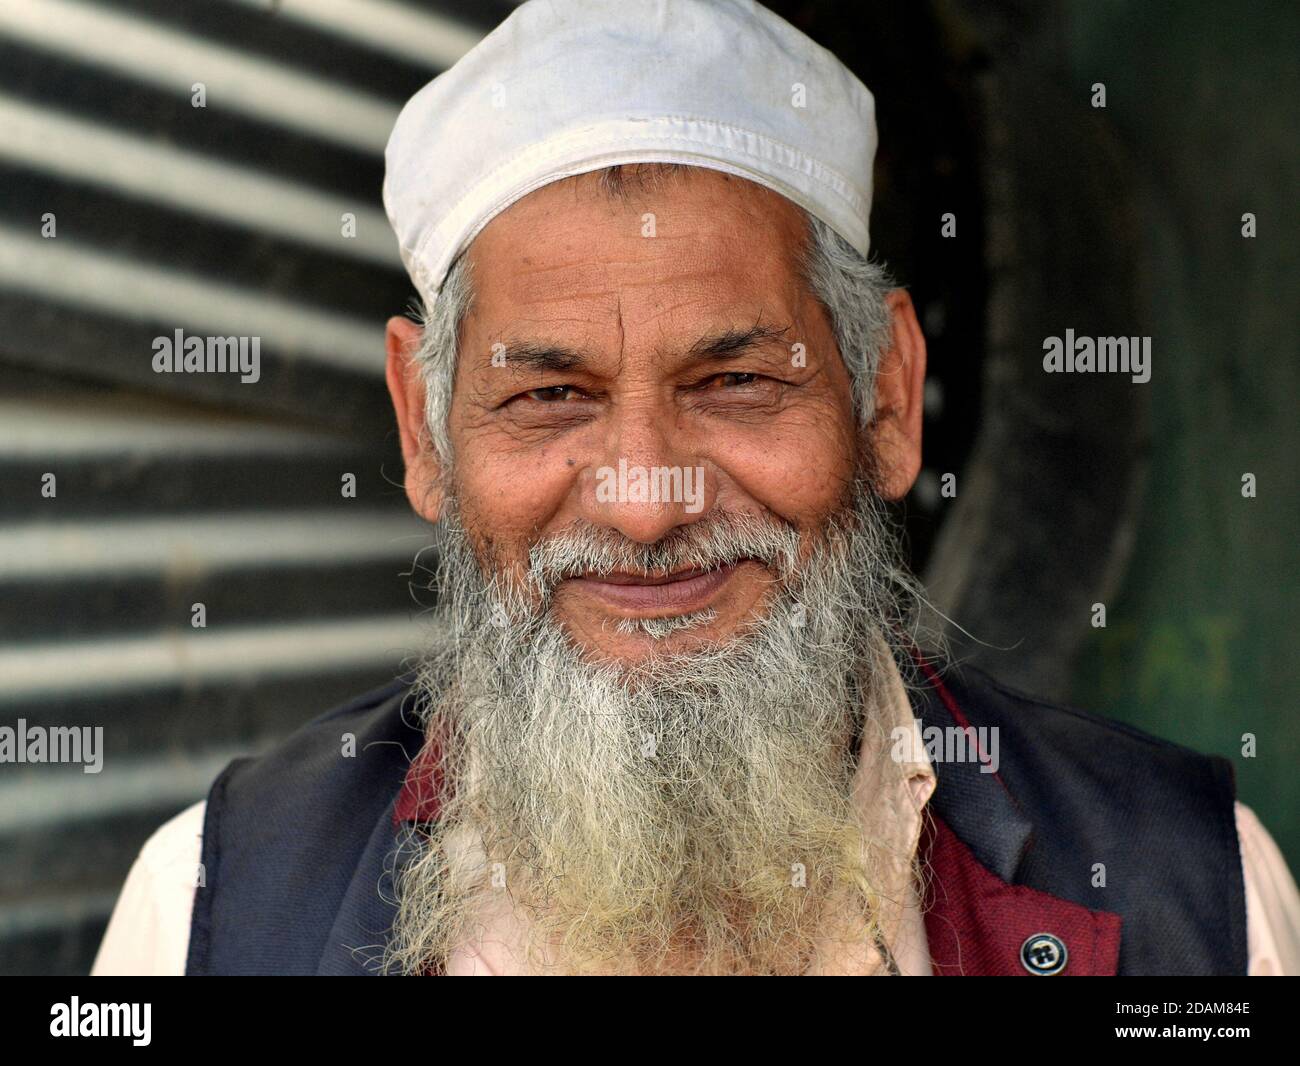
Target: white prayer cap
563 87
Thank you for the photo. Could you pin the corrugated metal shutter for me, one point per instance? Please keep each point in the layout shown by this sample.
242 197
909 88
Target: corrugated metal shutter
176 489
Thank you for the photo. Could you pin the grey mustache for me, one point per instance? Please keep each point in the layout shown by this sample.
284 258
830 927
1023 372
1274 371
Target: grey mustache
722 539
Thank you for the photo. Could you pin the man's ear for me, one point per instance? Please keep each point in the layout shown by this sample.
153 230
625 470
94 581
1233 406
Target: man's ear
423 471
900 400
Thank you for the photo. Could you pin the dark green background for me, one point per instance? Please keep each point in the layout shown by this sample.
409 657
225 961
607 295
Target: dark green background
1201 645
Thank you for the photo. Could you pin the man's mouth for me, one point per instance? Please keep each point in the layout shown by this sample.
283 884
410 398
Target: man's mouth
680 592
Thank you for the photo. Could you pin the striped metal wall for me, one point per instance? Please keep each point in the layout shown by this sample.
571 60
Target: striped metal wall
176 489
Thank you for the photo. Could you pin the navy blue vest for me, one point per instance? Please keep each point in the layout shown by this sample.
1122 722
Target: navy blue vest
299 845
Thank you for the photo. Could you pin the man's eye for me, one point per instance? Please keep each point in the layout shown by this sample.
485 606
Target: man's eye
551 394
732 380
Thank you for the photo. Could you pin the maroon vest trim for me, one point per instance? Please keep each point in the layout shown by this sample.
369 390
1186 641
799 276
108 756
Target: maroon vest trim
976 923
420 798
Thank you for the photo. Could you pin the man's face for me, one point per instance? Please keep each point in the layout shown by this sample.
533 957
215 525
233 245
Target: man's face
686 345
648 827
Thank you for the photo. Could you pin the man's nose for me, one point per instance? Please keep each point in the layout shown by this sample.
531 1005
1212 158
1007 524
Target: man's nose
648 479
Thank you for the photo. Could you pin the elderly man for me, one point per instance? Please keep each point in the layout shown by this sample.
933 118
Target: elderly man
672 717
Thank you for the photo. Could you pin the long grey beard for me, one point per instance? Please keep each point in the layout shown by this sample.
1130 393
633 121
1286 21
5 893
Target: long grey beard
689 814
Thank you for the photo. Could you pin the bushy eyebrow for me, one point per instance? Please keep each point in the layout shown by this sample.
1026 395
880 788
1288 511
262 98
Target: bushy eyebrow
529 356
725 344
731 343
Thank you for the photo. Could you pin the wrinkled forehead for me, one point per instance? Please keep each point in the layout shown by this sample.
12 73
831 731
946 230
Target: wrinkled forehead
693 242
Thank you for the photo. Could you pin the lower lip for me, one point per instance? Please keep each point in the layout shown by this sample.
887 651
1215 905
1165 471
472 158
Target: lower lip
681 597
